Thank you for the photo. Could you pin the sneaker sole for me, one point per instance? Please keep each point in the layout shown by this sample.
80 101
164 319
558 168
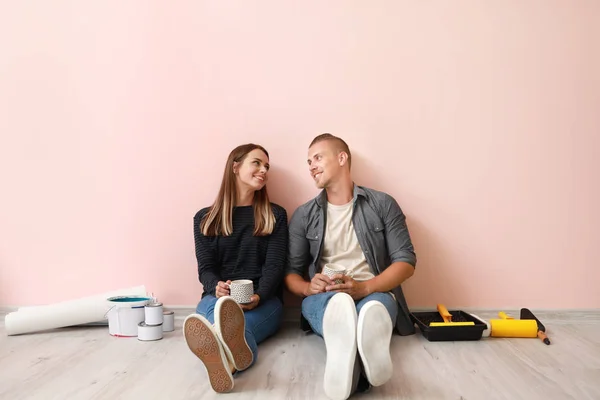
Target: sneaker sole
230 325
374 333
339 333
202 340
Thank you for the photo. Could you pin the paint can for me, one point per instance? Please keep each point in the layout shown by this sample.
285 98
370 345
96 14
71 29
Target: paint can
153 314
124 315
149 333
168 321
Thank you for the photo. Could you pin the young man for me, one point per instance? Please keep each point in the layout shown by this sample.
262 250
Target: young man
363 231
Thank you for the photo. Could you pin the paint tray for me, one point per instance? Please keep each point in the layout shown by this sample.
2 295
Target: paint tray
448 333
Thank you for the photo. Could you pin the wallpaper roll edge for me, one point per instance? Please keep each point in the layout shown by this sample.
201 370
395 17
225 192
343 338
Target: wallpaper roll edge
86 310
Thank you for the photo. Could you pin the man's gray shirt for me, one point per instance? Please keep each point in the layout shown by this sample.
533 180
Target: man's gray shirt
381 230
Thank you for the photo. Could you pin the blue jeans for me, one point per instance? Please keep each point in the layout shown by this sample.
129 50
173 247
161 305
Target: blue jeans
313 307
261 322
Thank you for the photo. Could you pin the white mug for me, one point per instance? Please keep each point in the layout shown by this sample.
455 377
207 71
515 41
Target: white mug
241 290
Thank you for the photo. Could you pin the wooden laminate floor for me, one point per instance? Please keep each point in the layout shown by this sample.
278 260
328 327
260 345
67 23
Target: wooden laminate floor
86 363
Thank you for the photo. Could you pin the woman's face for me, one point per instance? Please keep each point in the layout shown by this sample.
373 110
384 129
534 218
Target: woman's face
251 173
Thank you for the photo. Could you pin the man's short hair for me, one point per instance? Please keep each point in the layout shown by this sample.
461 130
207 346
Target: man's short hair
341 145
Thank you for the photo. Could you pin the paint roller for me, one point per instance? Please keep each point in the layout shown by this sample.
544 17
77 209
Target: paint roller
507 326
447 317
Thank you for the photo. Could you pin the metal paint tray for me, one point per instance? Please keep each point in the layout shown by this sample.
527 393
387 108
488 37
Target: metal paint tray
448 333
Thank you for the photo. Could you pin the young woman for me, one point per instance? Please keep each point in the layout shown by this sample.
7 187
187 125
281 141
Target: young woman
241 236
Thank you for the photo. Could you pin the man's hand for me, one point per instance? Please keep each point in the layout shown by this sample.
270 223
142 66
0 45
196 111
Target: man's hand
318 284
222 289
253 303
356 289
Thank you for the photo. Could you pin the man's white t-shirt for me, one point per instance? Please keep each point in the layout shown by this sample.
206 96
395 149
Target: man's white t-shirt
341 245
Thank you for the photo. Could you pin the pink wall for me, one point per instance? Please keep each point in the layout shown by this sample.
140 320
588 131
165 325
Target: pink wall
481 118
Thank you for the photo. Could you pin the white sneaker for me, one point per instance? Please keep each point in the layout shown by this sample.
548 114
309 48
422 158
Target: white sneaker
230 325
202 340
374 333
339 333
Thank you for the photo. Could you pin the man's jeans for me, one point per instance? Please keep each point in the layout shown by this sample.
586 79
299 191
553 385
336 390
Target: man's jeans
313 307
261 322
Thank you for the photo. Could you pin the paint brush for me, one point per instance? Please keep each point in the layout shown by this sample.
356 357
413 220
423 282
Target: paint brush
527 314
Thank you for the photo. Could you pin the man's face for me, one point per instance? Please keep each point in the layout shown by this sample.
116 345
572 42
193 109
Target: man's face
323 163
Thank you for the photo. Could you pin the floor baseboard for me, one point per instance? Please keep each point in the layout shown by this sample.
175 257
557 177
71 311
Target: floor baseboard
292 313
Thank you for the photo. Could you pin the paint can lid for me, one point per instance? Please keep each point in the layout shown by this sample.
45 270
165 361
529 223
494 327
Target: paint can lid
145 325
154 305
127 299
168 312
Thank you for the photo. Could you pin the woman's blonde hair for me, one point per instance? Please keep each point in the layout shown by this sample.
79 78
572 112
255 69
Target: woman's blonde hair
218 219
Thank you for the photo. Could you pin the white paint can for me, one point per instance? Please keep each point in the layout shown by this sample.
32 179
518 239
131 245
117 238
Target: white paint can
168 321
153 314
124 315
149 333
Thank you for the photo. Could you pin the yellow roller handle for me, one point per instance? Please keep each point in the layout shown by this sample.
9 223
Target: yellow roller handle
448 318
444 313
504 315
